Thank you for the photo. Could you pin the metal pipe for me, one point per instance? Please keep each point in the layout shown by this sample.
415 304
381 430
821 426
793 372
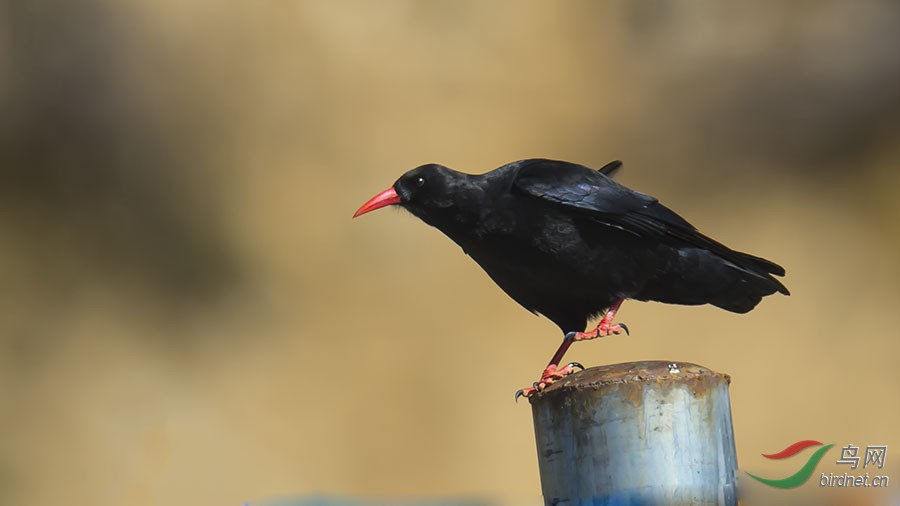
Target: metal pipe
636 433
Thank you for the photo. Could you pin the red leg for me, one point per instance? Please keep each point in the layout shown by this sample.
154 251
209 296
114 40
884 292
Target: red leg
605 327
553 371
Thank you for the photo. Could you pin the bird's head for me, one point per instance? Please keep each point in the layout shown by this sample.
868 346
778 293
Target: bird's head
426 191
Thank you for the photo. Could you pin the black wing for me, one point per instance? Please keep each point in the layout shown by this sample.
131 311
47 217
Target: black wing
605 201
610 169
594 193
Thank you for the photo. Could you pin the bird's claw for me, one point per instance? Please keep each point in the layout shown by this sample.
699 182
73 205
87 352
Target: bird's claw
602 330
550 375
527 392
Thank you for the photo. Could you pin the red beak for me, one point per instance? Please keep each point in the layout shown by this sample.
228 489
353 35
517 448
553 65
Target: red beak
388 197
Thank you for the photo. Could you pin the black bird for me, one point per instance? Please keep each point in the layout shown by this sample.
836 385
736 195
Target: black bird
570 243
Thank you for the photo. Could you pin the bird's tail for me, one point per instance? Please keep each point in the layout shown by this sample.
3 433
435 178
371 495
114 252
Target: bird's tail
746 279
733 281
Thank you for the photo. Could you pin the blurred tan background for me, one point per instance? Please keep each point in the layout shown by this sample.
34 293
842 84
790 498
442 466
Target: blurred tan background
189 316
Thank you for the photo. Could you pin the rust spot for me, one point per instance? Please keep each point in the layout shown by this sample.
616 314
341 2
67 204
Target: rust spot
634 395
698 379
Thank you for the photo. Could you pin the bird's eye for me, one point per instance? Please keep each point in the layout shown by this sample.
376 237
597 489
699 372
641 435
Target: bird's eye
419 181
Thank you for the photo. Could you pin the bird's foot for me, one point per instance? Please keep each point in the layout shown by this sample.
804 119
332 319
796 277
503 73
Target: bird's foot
552 373
603 329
